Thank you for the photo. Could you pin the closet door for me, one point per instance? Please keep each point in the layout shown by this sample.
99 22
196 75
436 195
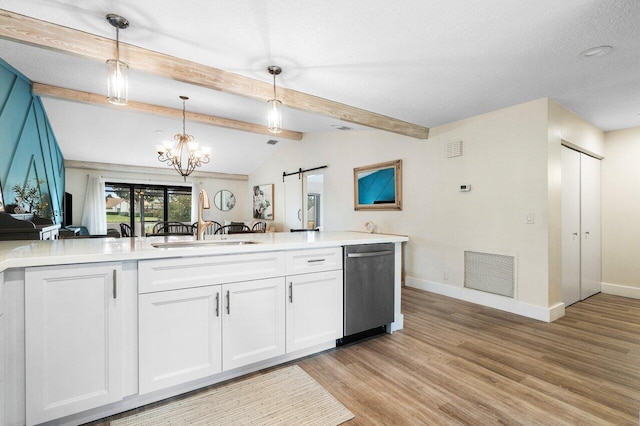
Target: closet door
590 226
570 226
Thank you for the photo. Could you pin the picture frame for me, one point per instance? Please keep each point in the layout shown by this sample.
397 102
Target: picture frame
263 202
378 186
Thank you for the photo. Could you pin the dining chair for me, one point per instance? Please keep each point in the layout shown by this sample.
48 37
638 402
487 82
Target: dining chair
233 229
172 228
211 229
259 227
125 230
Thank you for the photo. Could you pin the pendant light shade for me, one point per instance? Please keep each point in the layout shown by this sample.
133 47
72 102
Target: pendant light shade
117 71
274 114
117 82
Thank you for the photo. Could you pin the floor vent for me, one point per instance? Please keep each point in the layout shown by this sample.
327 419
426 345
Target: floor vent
491 273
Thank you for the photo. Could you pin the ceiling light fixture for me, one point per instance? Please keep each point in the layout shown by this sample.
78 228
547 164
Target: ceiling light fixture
186 156
275 106
596 51
117 71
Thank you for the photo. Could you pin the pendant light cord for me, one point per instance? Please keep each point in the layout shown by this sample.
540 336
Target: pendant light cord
117 44
274 86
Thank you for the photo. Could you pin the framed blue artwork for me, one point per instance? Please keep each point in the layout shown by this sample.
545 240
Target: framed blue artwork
378 186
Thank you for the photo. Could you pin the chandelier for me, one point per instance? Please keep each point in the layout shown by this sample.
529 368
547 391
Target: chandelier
185 156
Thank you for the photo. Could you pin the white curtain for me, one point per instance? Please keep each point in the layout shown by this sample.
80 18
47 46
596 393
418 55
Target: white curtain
195 191
94 214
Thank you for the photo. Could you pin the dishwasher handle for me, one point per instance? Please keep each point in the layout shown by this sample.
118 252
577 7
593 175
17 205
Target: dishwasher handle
371 253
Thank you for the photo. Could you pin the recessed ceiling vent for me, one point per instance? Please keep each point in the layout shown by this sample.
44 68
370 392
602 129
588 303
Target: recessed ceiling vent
272 142
341 127
491 273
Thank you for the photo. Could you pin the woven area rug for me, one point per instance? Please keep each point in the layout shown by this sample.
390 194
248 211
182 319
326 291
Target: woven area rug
287 396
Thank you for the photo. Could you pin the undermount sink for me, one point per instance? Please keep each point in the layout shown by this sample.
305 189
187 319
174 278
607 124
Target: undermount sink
177 244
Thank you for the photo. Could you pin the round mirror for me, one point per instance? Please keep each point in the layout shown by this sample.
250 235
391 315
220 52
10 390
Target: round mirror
224 200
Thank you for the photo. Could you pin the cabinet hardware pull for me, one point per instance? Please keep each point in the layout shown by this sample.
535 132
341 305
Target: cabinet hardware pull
315 260
291 292
228 303
115 291
218 304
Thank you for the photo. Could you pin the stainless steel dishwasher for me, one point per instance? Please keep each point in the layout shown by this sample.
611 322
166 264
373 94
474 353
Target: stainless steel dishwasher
368 287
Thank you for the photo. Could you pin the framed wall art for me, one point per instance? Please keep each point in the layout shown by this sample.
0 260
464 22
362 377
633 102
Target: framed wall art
263 202
378 186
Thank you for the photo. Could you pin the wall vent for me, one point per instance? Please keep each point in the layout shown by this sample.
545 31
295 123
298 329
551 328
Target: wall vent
491 273
454 149
272 142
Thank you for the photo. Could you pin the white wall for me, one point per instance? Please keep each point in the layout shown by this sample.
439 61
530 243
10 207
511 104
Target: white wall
76 184
511 159
505 161
620 213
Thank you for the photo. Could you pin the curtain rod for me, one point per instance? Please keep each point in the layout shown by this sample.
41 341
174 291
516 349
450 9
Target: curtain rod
300 172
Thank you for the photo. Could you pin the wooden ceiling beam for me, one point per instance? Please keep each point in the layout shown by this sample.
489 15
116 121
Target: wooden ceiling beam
93 98
46 35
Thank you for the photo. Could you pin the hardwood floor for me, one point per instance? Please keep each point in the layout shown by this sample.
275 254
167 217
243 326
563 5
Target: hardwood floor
459 363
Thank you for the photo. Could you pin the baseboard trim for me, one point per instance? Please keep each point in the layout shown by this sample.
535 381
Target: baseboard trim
546 314
621 290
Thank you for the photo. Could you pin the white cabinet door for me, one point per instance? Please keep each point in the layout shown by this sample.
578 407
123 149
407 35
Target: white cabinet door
253 321
590 226
180 336
73 326
314 309
570 226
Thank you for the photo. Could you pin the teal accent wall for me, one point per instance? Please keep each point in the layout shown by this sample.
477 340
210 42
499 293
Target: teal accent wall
29 150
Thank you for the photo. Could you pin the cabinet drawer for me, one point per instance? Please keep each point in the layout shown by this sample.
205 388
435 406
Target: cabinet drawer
314 260
188 272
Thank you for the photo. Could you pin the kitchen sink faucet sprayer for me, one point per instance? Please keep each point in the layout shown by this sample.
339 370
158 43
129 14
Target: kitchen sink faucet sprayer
203 203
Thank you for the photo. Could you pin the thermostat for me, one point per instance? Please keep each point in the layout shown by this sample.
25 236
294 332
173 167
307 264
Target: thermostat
465 187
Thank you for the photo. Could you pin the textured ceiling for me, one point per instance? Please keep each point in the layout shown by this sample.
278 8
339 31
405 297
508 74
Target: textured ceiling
424 61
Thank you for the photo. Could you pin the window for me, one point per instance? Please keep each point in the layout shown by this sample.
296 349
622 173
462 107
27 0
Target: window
142 206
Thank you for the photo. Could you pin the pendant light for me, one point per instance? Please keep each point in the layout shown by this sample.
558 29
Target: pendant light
117 71
275 106
185 156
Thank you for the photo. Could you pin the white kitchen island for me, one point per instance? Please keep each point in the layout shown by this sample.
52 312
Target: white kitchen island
93 327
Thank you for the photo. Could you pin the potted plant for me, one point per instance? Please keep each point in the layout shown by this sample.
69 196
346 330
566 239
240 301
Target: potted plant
31 200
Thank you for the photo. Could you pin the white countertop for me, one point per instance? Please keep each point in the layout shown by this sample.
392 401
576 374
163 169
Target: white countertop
21 254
